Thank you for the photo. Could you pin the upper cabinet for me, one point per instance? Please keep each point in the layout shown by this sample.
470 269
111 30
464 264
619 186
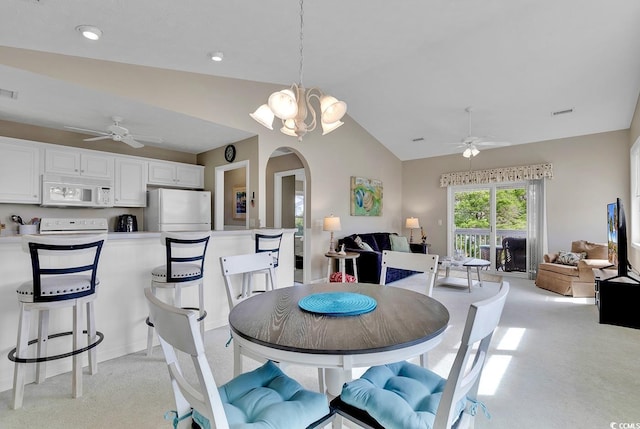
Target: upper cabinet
164 173
130 185
20 169
75 162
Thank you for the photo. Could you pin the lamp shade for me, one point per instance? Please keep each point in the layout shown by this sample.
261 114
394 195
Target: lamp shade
331 223
264 116
283 104
412 223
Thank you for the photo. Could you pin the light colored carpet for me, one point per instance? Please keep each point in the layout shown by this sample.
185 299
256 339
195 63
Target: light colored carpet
553 366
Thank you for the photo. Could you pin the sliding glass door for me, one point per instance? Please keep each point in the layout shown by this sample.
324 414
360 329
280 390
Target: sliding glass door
490 222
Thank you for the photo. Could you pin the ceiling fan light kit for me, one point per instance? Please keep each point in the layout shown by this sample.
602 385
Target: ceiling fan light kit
293 105
471 142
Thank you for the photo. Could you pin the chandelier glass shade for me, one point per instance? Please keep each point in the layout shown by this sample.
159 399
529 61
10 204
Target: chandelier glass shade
294 108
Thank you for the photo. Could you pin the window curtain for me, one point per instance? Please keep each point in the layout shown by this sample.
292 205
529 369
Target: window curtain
537 225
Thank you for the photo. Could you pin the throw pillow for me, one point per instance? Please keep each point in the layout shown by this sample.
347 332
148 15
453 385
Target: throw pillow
399 243
361 244
570 258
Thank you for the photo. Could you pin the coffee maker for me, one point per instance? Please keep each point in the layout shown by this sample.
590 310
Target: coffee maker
126 223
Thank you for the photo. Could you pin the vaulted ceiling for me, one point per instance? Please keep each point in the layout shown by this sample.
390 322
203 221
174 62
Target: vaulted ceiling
407 69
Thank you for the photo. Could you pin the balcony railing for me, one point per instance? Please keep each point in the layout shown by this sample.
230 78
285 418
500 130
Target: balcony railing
475 242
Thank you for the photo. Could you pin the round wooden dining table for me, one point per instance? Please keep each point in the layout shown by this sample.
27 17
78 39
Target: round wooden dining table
271 325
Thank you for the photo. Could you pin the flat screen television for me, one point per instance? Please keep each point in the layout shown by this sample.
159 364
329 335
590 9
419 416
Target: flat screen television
617 237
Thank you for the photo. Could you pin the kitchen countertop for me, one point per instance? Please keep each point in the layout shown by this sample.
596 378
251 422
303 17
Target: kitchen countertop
145 234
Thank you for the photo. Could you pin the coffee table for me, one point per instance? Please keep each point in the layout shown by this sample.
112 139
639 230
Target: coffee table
469 264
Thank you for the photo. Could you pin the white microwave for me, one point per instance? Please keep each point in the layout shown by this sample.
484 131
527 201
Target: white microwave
69 191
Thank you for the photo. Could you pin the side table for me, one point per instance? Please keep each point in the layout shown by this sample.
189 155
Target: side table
419 247
342 260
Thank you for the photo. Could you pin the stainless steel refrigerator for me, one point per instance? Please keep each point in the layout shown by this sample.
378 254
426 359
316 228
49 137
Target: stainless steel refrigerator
177 210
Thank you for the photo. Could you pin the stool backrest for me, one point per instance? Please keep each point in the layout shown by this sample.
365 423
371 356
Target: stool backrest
269 243
178 331
422 262
185 248
242 264
58 256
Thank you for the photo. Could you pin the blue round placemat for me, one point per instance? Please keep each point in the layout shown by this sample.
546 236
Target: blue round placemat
338 303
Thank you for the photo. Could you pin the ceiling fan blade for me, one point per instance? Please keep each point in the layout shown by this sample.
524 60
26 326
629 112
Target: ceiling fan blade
150 139
93 139
102 133
132 142
490 143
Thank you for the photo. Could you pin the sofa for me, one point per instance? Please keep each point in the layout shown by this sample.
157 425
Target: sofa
370 247
571 273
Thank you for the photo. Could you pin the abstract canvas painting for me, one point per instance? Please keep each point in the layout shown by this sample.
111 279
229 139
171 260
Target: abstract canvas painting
366 197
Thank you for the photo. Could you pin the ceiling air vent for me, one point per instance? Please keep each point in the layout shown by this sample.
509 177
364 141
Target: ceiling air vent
562 112
5 93
418 139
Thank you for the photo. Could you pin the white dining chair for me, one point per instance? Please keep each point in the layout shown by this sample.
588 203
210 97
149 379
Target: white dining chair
420 262
237 269
264 397
403 395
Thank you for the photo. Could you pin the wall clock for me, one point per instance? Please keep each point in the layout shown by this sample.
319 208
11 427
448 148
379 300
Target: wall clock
230 153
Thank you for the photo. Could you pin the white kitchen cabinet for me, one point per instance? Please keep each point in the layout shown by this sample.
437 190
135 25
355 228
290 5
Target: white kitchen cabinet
20 170
130 185
176 174
76 162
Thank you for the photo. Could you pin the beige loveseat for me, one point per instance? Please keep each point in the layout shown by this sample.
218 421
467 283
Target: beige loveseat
573 280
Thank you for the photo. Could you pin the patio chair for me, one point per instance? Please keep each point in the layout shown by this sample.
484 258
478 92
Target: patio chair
403 395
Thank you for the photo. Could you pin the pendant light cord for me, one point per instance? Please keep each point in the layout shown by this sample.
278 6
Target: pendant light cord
301 43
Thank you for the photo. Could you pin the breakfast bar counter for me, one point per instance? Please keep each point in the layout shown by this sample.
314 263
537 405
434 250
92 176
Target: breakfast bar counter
124 271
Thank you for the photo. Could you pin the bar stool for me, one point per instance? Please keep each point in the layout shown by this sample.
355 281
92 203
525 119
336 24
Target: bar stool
64 274
185 254
265 243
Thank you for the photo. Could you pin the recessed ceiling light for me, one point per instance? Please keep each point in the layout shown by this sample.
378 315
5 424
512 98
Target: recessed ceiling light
216 56
89 31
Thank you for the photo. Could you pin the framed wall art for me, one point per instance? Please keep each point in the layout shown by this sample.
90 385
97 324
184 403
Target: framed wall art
239 202
366 197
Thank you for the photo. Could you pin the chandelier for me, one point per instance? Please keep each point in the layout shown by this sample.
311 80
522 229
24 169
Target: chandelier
293 105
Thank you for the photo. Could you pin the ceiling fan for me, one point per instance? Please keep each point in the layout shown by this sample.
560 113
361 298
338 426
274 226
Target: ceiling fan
471 142
117 133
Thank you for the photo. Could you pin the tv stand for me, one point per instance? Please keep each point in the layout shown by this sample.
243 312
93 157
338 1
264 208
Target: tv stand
618 298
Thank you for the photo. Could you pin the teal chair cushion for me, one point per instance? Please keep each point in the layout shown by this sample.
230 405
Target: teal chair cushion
399 395
267 398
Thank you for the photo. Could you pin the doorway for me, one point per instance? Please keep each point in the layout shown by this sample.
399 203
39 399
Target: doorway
289 196
491 222
220 196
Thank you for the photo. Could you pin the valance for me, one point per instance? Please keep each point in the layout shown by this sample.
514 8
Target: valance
497 175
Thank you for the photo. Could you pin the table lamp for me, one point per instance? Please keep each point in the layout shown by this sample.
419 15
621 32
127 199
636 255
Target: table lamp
331 223
411 224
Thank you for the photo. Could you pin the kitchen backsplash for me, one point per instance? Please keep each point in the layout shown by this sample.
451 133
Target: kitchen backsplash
29 211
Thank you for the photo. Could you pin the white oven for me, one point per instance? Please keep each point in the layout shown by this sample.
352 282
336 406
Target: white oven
73 226
69 191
